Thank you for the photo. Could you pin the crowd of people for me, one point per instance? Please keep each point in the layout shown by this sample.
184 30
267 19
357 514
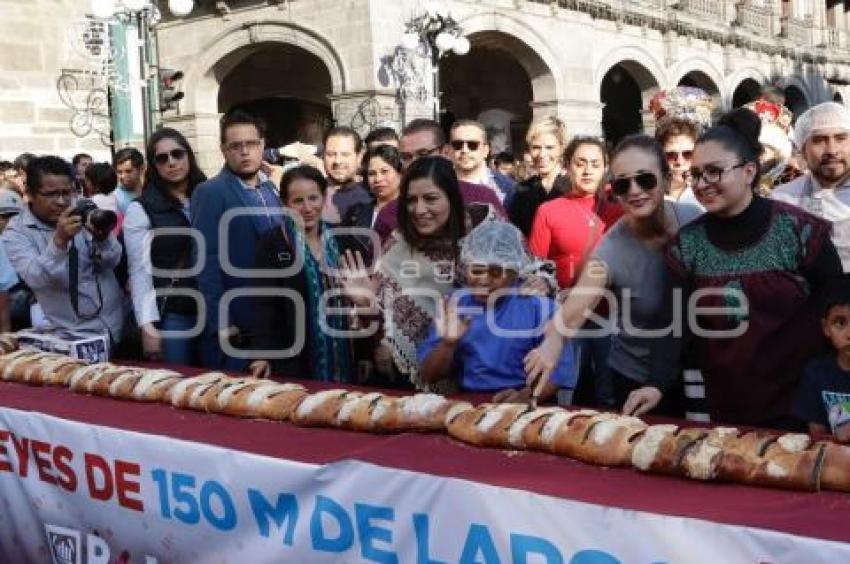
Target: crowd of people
580 272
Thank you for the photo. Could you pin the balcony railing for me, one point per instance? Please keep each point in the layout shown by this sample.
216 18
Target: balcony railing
798 31
836 38
712 9
756 19
710 19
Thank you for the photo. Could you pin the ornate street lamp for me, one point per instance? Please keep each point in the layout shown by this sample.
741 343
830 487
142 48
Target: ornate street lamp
434 34
143 15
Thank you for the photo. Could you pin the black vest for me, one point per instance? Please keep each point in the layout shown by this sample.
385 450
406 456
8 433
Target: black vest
170 252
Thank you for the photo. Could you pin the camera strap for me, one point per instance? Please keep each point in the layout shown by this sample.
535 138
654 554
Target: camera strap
74 277
74 283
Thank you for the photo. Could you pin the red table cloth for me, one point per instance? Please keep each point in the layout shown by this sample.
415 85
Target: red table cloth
818 515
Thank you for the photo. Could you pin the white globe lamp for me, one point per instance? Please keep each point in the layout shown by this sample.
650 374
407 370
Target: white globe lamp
461 46
103 9
181 8
445 41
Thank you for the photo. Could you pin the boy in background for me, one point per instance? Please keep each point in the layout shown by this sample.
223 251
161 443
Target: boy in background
823 397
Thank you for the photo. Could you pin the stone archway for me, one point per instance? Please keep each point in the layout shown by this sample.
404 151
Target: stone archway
795 100
625 91
746 91
285 85
214 60
510 77
699 79
837 97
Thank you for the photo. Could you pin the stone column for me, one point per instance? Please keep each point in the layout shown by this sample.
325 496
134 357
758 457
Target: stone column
583 117
649 123
365 110
202 132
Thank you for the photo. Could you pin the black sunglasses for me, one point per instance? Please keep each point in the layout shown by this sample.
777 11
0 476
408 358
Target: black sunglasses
176 154
458 145
644 180
674 155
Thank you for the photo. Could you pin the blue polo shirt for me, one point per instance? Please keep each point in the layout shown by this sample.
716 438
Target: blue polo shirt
490 356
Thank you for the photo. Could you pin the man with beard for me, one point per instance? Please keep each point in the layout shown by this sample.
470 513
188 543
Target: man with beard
343 151
469 152
243 189
823 136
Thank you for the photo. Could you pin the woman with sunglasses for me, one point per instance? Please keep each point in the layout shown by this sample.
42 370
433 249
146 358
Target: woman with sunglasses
677 137
171 177
628 265
546 140
764 264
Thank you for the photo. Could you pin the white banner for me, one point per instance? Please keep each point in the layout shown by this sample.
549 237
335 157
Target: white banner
74 493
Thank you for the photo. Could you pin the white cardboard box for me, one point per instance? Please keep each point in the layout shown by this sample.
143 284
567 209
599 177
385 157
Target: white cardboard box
90 347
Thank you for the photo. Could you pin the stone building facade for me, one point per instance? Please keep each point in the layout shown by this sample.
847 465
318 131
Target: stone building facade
595 63
36 46
304 64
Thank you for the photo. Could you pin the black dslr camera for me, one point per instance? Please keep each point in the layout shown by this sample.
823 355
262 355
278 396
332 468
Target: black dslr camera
102 220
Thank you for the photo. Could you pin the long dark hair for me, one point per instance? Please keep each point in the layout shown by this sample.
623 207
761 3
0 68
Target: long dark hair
152 177
440 171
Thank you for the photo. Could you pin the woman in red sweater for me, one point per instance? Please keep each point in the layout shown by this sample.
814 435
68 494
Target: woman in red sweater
567 229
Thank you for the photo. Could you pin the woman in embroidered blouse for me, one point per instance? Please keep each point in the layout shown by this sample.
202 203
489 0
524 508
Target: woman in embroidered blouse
418 266
766 263
306 255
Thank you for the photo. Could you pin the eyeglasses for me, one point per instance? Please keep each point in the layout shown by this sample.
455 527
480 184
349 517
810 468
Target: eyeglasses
491 270
712 174
645 181
57 194
676 155
458 144
407 157
239 146
176 154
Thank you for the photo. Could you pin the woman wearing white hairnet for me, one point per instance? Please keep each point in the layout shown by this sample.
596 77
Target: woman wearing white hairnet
481 334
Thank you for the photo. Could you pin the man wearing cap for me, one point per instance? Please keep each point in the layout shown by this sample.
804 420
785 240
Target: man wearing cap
823 136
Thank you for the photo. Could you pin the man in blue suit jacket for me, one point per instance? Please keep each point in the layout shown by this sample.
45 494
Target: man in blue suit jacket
234 208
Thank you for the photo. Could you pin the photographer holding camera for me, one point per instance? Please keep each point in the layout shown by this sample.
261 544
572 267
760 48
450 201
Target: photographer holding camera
63 249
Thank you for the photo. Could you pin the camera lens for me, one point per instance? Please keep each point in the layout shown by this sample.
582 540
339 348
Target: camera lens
103 220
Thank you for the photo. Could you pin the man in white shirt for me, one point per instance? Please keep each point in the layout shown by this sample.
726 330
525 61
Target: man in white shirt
823 135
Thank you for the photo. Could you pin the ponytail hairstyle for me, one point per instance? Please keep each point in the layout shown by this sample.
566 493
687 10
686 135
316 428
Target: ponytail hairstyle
738 131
